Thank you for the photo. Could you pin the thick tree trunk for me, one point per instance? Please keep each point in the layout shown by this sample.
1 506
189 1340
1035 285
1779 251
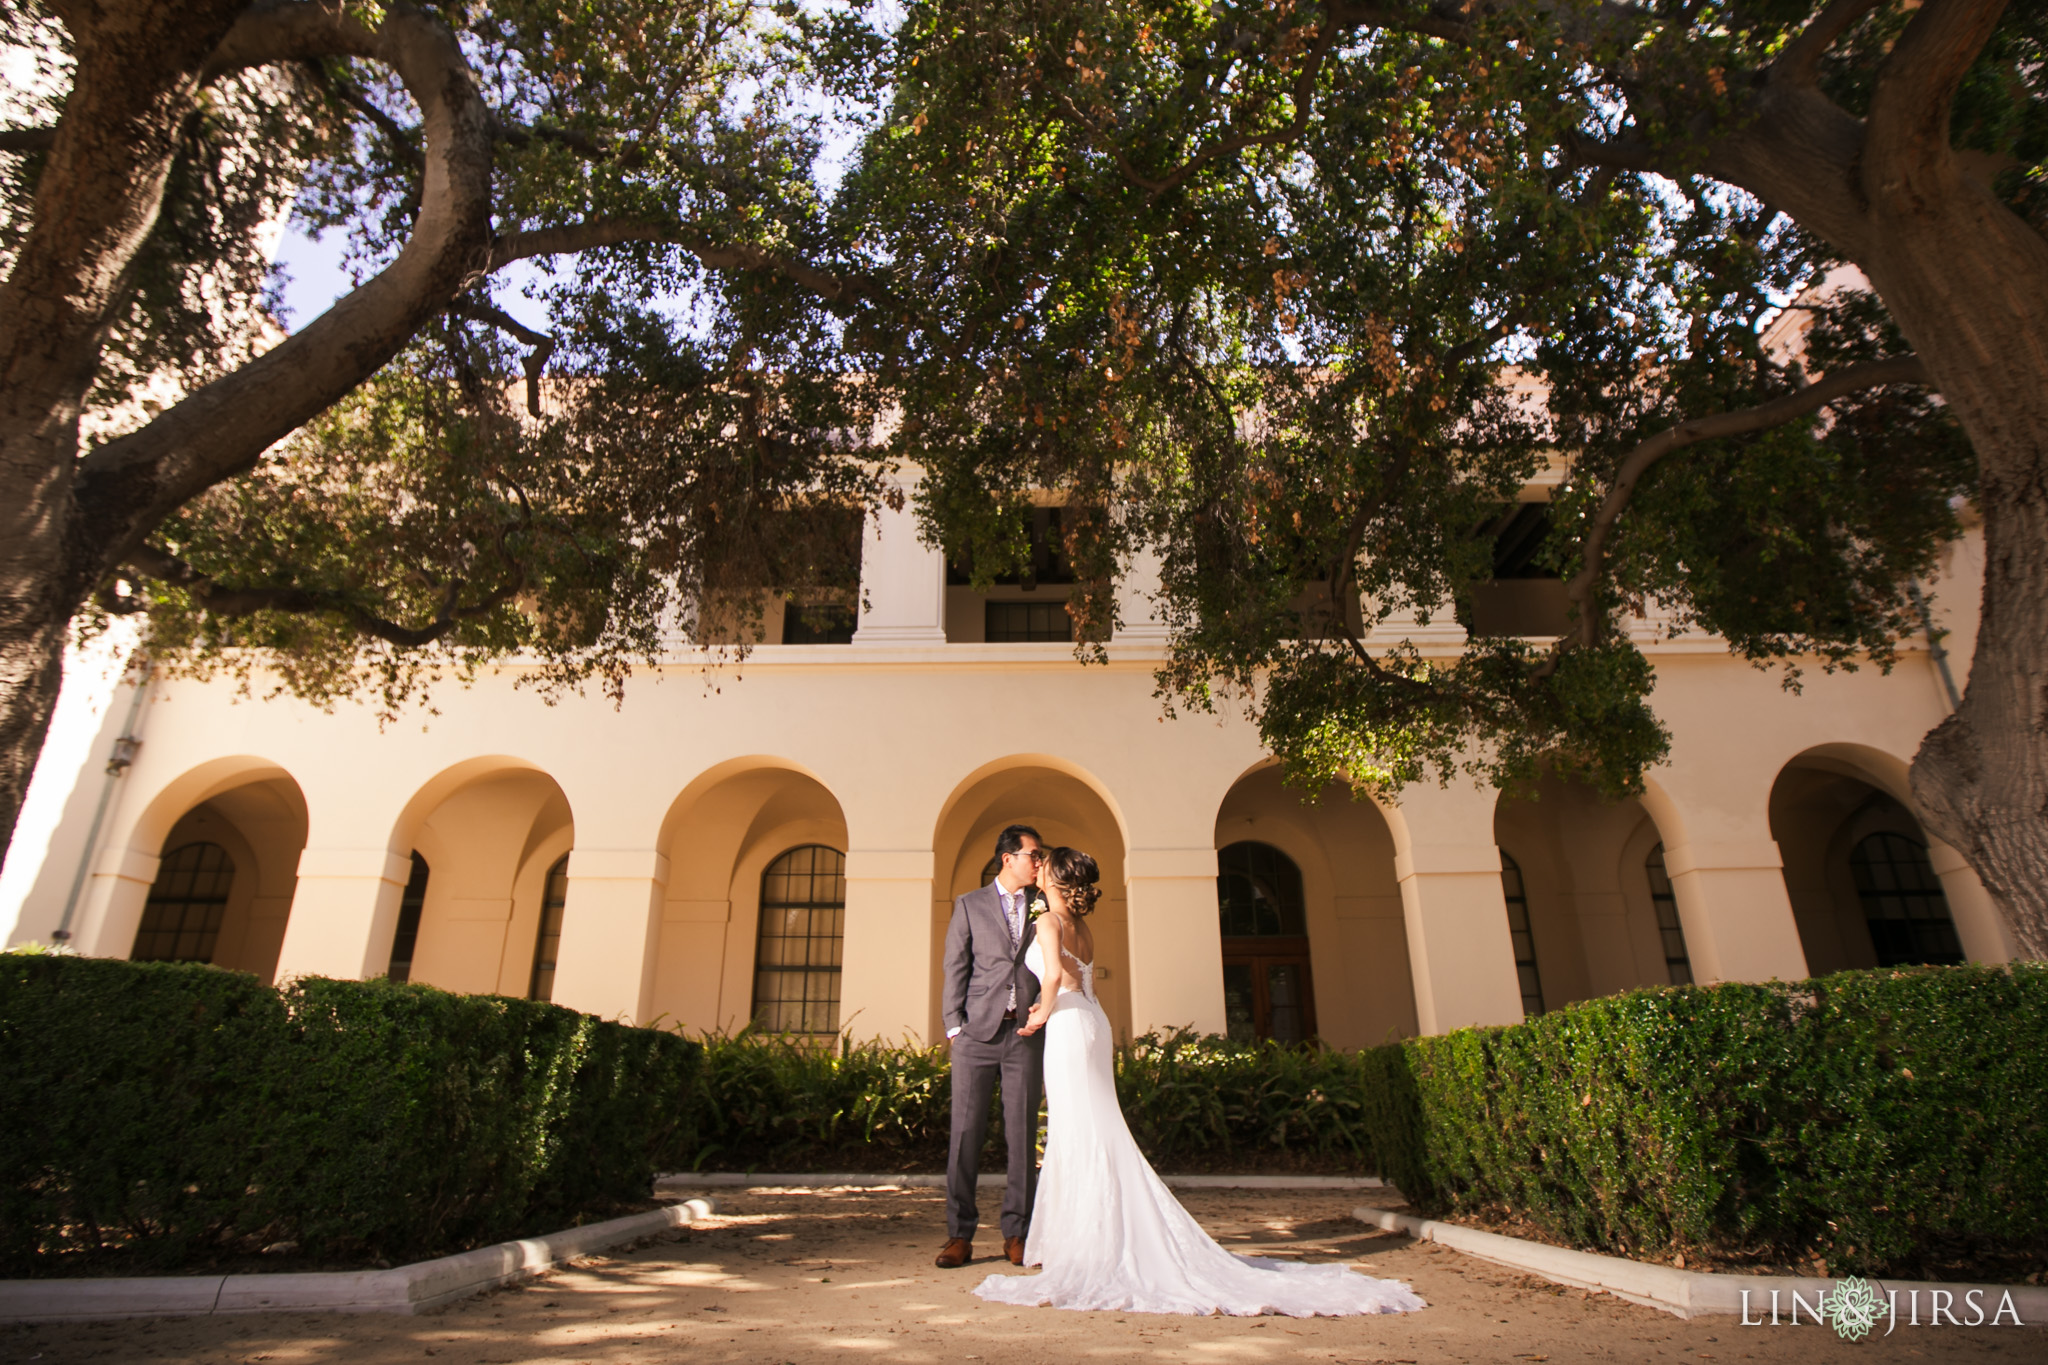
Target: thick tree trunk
67 517
31 668
1977 317
1967 282
97 200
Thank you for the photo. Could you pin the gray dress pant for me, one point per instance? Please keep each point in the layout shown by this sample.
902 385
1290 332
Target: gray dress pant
1020 1063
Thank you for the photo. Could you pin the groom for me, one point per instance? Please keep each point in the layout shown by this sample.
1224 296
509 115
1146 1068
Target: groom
987 993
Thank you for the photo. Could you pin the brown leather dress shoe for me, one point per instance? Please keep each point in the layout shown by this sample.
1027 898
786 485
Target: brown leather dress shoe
1013 1247
957 1253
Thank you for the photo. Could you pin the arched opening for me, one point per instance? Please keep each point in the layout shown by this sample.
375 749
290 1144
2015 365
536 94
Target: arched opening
802 942
1314 942
1527 972
407 936
1863 889
755 901
1591 909
1268 988
547 943
181 920
1065 809
1670 932
487 847
230 865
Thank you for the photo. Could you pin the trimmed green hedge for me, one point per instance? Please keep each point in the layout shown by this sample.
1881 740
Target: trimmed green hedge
1193 1102
1876 1120
169 1110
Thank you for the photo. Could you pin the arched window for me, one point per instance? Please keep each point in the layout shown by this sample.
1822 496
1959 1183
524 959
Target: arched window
407 936
187 902
803 928
1258 893
548 944
1268 991
1677 962
1524 938
1903 903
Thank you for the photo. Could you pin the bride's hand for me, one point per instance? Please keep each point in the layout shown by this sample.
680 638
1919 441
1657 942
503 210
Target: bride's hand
1035 1020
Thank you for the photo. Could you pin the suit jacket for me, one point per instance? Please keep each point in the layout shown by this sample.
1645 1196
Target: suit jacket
980 966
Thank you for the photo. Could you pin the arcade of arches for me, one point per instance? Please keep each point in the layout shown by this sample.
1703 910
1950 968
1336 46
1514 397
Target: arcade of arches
753 909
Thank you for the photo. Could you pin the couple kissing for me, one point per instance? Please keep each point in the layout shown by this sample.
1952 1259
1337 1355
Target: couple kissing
1018 1005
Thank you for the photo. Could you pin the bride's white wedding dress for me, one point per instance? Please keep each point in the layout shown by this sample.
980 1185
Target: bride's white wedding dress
1110 1235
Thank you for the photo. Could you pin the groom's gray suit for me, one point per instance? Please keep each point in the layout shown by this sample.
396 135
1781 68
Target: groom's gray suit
983 961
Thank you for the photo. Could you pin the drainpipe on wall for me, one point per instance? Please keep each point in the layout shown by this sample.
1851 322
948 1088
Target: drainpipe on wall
118 763
1934 647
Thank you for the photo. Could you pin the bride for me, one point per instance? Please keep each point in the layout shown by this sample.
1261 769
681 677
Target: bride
1105 1229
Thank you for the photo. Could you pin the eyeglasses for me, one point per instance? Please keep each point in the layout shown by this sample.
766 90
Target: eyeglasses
1036 855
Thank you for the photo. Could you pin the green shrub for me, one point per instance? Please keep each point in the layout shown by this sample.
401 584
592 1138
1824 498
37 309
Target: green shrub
164 1109
774 1102
779 1103
1874 1120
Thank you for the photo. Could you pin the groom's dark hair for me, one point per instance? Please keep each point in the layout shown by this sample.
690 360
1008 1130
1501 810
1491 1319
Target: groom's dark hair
1012 839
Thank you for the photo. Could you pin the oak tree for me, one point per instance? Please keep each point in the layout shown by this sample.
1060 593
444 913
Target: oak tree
1300 293
415 479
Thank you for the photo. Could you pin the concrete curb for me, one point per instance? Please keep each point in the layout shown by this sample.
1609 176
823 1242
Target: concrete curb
417 1288
736 1180
1682 1293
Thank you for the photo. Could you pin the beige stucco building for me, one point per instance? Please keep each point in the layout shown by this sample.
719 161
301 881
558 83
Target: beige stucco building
783 839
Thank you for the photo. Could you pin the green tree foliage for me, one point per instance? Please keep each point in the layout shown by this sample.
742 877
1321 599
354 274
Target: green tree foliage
434 471
1303 296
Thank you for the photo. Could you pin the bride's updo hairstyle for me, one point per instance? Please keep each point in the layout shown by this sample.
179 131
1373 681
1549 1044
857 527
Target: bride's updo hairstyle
1075 874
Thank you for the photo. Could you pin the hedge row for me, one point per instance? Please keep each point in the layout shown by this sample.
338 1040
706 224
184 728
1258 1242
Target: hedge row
168 1110
1193 1102
1879 1121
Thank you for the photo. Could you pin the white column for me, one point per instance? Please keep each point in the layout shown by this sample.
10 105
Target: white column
1461 957
344 913
1403 624
1978 923
885 981
611 933
1735 910
1139 620
1176 940
902 581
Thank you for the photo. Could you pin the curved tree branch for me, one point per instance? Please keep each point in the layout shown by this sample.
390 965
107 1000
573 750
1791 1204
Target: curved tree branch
148 562
128 485
600 232
1799 63
27 140
1720 425
534 362
1908 121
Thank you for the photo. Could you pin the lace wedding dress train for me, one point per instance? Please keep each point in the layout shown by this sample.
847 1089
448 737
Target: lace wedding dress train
1110 1235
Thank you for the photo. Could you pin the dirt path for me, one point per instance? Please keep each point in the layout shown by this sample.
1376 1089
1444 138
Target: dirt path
811 1276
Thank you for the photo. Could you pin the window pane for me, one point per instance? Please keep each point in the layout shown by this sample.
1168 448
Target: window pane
1903 904
1239 1009
1287 1022
547 947
1015 622
181 920
1677 961
1522 936
802 926
1259 893
406 938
